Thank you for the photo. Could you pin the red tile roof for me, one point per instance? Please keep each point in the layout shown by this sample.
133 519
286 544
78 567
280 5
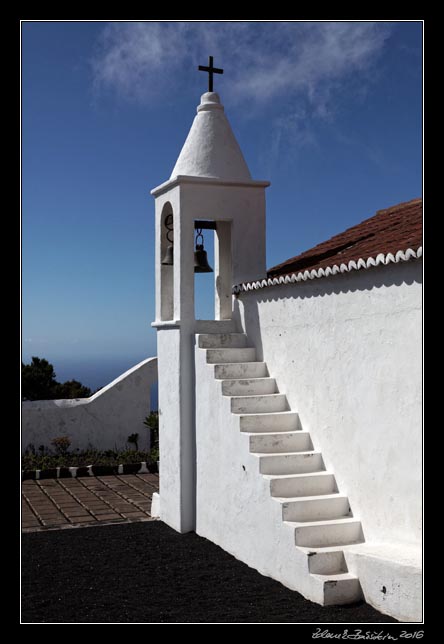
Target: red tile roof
396 228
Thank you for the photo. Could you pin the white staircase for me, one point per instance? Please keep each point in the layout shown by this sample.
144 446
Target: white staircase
312 507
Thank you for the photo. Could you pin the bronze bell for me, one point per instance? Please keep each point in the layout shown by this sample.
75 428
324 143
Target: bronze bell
201 264
168 259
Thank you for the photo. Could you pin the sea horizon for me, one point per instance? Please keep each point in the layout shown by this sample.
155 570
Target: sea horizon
95 372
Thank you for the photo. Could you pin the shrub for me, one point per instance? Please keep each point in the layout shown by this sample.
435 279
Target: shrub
72 389
80 458
61 444
154 455
152 422
134 439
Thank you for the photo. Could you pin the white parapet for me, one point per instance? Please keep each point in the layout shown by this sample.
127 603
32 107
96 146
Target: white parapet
391 577
104 421
155 505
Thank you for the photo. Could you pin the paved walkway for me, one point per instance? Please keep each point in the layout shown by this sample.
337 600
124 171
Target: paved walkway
67 503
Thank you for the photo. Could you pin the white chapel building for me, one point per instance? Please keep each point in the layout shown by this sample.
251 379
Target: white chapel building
291 423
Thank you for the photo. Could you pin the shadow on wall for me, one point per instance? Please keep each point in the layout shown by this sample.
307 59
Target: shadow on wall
379 277
154 396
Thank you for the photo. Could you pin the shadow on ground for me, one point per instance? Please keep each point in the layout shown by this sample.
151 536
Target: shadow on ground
147 572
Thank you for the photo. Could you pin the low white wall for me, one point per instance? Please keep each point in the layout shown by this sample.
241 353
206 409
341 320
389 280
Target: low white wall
391 578
104 421
346 350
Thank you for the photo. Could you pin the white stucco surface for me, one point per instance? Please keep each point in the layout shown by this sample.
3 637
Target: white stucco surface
176 433
234 508
346 351
390 576
210 181
105 420
211 149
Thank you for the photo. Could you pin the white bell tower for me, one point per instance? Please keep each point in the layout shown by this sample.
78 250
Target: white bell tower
210 184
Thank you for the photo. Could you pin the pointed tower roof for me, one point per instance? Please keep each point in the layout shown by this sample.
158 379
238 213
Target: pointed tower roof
211 149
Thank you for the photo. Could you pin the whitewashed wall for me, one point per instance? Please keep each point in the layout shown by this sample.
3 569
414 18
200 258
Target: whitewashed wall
105 420
346 350
234 508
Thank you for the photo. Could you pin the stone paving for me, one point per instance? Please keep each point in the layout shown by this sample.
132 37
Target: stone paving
67 503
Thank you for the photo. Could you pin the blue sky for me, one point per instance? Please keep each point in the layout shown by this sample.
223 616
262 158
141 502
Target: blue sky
329 112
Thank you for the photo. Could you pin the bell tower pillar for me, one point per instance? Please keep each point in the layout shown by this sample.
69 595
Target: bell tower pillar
210 188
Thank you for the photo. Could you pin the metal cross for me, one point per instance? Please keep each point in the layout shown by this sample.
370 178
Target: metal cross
211 70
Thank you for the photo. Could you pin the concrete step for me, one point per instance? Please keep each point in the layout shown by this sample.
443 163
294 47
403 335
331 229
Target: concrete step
218 356
232 370
343 588
290 463
327 561
278 442
261 404
221 340
315 508
249 386
204 327
279 421
335 532
295 485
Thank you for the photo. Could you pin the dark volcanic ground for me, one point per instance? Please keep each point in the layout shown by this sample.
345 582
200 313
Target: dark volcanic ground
147 572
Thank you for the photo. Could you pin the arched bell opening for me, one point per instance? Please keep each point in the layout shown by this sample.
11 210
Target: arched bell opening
167 263
212 270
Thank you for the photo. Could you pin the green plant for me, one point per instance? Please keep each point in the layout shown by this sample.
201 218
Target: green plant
72 389
154 454
152 422
38 380
61 444
39 383
134 439
44 459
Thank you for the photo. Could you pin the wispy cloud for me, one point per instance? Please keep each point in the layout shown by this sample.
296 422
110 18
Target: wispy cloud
142 60
290 63
138 60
